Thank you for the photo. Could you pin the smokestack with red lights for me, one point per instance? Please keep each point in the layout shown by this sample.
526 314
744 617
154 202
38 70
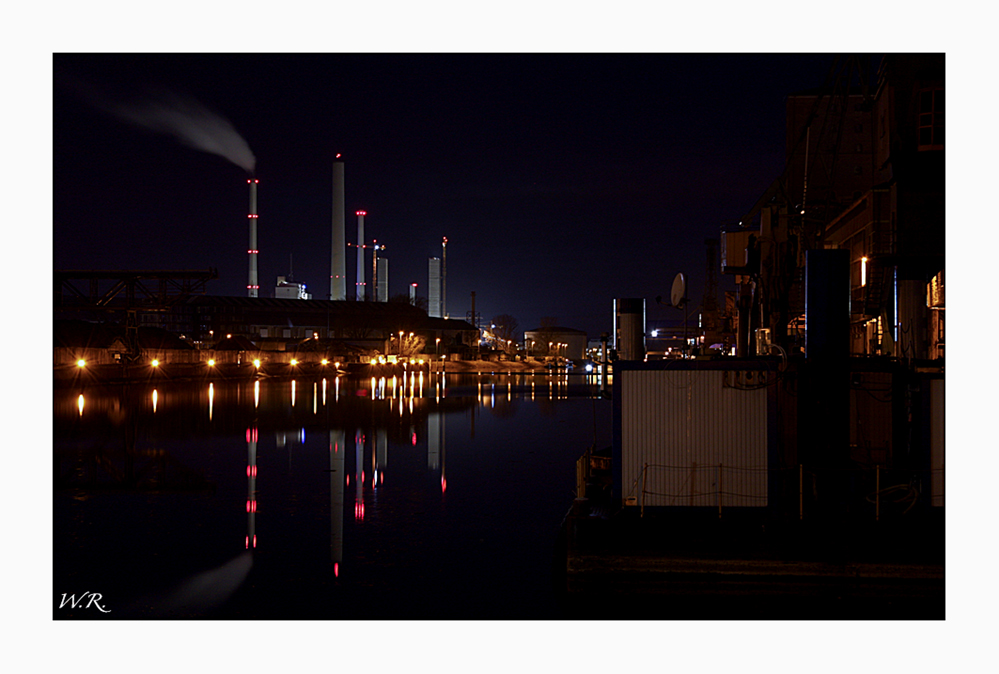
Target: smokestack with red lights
360 255
338 257
252 285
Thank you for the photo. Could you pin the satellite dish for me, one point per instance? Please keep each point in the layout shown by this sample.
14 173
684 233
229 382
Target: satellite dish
679 290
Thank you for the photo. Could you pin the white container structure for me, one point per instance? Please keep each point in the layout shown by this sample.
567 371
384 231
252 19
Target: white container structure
690 433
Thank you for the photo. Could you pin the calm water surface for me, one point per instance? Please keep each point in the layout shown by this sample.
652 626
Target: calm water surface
337 498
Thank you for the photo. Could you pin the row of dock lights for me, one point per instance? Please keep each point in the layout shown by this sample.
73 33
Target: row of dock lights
81 363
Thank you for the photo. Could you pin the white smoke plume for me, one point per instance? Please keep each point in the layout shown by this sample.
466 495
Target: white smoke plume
185 119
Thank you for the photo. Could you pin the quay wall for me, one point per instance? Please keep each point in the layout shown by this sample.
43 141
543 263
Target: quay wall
101 365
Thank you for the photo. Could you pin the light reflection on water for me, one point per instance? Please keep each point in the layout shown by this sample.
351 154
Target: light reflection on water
458 487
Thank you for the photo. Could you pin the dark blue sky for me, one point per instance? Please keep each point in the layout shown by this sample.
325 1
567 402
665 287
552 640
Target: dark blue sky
561 181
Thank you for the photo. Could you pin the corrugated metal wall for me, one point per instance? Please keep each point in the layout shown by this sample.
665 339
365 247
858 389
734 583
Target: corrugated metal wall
703 434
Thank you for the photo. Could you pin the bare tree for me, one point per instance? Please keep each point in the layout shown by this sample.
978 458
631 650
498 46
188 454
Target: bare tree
407 345
505 330
419 303
546 334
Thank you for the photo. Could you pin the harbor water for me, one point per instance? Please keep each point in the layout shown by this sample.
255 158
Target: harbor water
409 497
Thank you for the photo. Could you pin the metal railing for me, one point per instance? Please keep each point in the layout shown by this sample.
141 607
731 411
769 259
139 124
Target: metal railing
801 488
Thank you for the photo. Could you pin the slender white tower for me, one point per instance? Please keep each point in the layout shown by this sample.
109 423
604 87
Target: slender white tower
444 279
434 293
252 286
338 257
381 287
360 255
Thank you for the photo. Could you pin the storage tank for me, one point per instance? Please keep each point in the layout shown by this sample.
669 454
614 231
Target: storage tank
629 328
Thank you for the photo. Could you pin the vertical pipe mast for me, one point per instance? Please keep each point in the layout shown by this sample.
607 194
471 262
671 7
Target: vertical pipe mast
338 256
374 272
252 285
360 255
444 280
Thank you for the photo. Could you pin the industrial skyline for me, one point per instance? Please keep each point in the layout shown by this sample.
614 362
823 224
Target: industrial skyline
562 181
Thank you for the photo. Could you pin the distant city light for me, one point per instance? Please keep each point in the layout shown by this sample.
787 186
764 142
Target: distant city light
211 362
81 363
155 363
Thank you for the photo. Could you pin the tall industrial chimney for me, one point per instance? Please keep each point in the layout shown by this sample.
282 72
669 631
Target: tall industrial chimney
252 285
434 294
338 257
381 287
360 255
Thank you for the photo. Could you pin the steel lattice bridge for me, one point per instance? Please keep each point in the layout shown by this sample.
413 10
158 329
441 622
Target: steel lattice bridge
128 289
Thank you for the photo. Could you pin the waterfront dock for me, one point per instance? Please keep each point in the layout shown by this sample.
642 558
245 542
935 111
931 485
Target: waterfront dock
694 565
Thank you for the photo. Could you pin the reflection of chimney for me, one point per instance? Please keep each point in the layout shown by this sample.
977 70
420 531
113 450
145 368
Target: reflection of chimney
433 440
359 477
337 477
338 256
251 489
381 450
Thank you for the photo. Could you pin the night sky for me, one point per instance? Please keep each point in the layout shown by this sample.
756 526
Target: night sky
560 181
